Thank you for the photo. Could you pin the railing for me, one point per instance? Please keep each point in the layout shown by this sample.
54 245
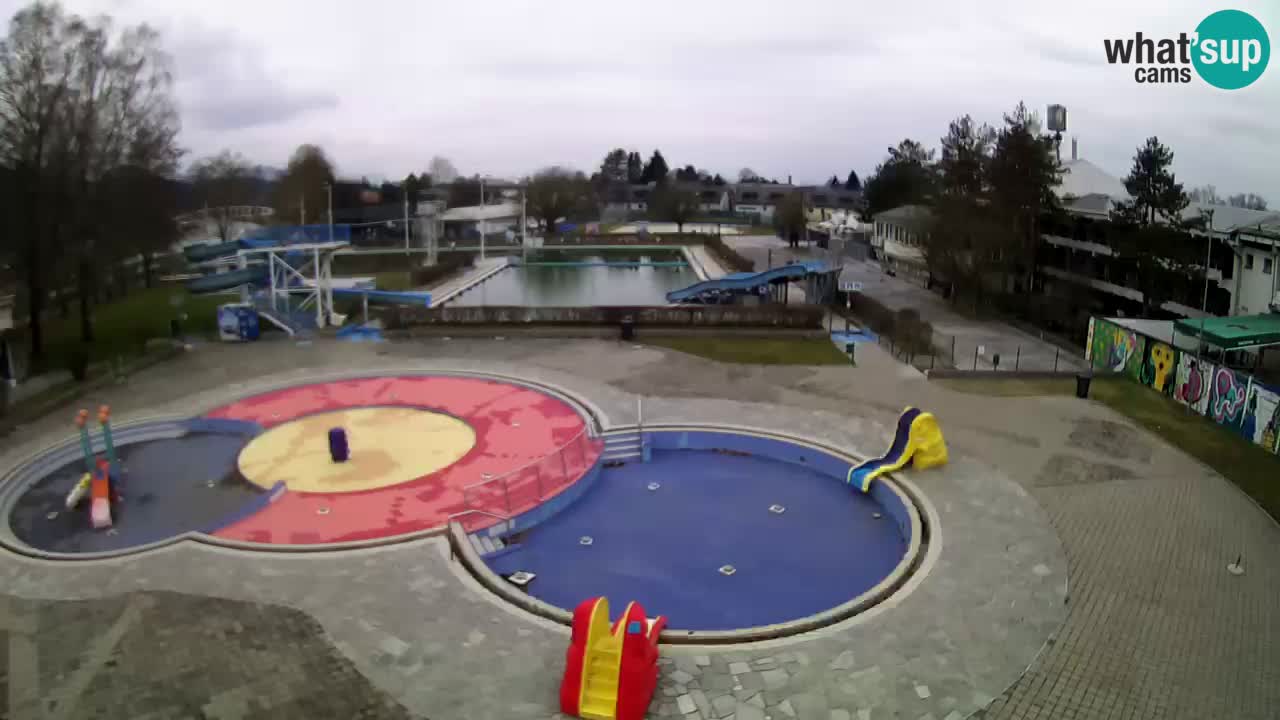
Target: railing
525 487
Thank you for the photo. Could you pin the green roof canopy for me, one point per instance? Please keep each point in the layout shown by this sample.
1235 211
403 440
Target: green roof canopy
1233 333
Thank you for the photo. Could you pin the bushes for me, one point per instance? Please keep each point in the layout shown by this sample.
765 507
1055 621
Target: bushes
727 256
908 333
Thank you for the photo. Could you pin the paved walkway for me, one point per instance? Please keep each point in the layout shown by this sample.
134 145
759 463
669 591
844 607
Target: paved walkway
1154 625
951 329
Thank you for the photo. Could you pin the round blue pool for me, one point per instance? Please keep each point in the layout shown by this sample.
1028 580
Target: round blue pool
717 506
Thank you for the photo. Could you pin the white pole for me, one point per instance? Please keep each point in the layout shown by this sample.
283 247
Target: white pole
482 218
524 225
406 223
1204 303
329 187
315 258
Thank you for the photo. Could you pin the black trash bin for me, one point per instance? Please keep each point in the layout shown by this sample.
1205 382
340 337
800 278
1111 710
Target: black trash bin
628 327
175 329
1082 384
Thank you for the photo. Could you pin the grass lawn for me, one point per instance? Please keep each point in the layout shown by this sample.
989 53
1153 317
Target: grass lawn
1250 467
123 327
395 281
757 351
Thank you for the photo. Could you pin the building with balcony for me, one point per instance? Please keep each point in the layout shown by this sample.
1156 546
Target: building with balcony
897 239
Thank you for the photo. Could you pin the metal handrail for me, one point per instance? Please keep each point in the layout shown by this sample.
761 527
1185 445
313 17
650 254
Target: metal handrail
533 463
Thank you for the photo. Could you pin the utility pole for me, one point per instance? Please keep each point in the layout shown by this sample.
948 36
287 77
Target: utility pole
329 189
1204 302
302 212
524 227
406 223
482 228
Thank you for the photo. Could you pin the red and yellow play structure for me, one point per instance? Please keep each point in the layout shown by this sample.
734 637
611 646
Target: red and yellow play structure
611 671
101 475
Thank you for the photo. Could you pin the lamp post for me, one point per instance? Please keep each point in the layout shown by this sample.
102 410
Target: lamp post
1204 301
482 228
328 187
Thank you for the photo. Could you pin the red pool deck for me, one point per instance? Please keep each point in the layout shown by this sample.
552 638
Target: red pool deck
520 434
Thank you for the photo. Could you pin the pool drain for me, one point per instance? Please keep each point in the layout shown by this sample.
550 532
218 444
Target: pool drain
585 540
520 578
653 486
52 515
876 515
322 511
777 509
728 570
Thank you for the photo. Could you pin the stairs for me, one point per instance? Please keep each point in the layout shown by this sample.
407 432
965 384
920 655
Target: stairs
485 545
623 447
600 681
294 323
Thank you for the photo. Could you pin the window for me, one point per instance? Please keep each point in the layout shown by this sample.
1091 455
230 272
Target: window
1266 266
820 199
748 197
1248 261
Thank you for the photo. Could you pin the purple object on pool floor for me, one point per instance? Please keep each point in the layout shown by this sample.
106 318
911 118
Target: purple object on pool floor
338 449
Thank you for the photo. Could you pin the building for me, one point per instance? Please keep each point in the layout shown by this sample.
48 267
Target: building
897 239
498 222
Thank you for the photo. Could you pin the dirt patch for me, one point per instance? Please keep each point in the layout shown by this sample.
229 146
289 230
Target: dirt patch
1072 470
1110 440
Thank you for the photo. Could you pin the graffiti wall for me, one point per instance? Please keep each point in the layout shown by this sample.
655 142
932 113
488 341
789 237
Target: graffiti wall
1116 349
1192 384
1261 416
1228 391
1160 367
1229 398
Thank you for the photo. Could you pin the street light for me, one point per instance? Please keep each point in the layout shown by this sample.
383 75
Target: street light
1204 302
328 186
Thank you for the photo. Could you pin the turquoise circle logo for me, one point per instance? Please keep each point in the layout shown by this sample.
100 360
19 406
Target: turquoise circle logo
1232 49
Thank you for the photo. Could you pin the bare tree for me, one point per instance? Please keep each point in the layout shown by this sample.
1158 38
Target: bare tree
677 205
556 193
221 182
442 171
78 101
301 192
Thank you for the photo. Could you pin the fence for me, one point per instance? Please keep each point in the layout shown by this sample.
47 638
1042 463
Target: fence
524 488
1232 399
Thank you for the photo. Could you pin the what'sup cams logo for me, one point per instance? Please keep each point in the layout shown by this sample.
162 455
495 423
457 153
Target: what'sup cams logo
1229 50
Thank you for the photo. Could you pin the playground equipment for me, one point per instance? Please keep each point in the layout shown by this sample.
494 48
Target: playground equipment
918 441
338 450
610 672
101 474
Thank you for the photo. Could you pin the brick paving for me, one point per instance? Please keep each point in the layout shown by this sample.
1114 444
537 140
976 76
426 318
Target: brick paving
1154 626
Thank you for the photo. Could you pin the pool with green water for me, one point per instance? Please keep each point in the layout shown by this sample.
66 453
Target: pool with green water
564 279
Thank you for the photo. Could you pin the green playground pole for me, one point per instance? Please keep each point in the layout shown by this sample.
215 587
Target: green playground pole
104 417
82 419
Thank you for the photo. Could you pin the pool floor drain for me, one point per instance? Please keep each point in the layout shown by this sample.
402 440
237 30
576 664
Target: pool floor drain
520 578
53 514
322 511
653 486
876 515
728 570
777 509
585 540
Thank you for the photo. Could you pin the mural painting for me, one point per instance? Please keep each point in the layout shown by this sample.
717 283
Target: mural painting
1115 348
1160 369
1261 412
1192 386
1226 397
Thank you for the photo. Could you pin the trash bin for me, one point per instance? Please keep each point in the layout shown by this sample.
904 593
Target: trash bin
175 329
628 327
238 322
1082 385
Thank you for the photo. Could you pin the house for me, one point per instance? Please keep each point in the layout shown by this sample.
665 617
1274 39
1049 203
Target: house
760 199
496 221
897 238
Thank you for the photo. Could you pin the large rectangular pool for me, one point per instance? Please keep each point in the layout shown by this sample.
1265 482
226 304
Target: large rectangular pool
561 279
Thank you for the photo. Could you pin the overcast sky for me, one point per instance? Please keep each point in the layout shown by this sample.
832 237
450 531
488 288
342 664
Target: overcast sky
796 88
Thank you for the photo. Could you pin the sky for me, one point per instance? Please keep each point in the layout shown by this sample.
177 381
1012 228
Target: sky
805 89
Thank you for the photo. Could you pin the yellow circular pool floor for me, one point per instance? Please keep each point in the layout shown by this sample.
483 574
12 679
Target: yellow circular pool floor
388 446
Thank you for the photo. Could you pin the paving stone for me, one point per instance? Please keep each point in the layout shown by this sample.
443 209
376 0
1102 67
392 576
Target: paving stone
748 712
738 668
686 704
681 677
766 663
785 708
700 699
724 705
843 661
840 714
774 679
702 660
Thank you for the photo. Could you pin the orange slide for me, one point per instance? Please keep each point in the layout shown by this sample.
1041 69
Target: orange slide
611 672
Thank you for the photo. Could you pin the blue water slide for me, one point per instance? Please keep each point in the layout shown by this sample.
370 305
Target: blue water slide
227 280
386 297
745 282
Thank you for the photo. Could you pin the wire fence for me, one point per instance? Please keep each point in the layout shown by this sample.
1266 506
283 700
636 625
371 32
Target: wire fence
525 487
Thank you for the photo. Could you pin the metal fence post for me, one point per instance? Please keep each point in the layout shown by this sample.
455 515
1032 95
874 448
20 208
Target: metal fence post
953 351
1017 360
1056 351
975 357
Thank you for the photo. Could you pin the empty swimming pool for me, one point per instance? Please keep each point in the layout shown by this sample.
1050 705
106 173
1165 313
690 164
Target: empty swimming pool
718 539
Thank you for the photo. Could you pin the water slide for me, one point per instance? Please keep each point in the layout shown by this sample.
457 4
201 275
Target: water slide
917 442
746 281
610 671
228 280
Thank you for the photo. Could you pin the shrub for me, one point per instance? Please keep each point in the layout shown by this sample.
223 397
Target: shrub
78 363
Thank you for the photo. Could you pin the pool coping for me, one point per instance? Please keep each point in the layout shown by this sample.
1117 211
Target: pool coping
13 480
906 570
